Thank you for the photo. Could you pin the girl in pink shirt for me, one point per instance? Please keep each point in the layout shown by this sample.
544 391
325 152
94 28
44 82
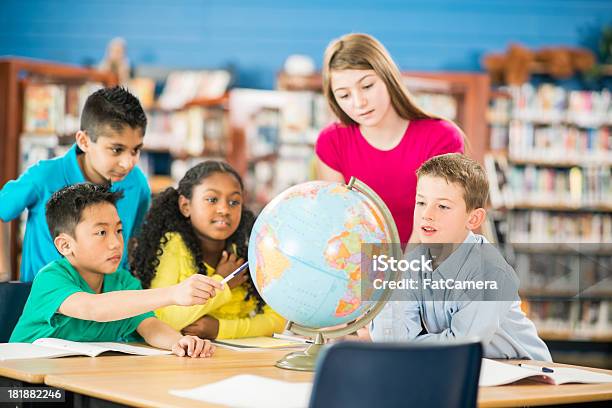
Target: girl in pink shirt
382 137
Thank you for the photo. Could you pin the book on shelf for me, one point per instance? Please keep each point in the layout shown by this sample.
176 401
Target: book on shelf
52 348
183 87
494 373
190 131
547 227
43 108
559 144
551 104
535 186
144 89
281 128
53 108
496 168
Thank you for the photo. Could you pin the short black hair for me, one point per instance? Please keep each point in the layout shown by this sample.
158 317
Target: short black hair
115 107
65 207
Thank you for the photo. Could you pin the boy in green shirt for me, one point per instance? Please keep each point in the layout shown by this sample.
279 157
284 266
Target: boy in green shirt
85 296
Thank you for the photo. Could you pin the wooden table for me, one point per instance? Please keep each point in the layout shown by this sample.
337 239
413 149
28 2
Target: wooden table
151 389
145 381
34 370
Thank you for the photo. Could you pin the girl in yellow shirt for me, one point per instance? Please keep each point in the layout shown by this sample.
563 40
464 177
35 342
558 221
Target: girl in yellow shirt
203 227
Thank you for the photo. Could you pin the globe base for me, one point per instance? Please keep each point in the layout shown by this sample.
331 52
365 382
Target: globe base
301 360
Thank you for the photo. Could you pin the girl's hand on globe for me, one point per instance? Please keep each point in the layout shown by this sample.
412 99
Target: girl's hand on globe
228 264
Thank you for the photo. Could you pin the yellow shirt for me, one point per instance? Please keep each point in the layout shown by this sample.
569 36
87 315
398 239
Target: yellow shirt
236 316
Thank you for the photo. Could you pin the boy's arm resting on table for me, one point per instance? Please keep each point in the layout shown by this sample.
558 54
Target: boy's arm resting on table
158 334
401 321
122 304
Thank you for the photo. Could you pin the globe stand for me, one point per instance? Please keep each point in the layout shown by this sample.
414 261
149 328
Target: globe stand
303 360
306 360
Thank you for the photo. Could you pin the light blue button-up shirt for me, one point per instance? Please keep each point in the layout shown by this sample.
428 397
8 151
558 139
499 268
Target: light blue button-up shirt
501 326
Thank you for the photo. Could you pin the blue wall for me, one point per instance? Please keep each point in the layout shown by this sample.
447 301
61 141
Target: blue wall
257 36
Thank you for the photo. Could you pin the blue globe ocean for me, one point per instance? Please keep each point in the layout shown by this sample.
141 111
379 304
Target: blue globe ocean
305 252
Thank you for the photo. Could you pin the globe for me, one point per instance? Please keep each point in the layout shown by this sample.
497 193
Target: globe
305 251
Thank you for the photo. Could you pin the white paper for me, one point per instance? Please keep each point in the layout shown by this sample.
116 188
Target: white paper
255 391
496 373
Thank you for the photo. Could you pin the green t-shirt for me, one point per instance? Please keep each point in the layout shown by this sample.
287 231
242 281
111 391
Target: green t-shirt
51 286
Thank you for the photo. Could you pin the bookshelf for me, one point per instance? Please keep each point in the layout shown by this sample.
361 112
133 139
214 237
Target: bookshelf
549 164
188 122
23 81
278 130
177 137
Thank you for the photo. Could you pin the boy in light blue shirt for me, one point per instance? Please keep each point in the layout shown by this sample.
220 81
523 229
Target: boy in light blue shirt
107 148
470 291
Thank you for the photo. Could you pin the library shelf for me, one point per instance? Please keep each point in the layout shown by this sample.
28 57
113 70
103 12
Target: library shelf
548 164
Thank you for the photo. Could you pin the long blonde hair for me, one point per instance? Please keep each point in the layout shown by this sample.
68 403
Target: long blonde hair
362 51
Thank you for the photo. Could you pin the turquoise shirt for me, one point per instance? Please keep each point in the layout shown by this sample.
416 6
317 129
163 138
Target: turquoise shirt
501 326
54 284
33 189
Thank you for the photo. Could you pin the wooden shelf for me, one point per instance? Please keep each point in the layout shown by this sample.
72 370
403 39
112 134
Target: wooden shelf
568 335
561 207
181 154
563 248
160 183
585 162
564 295
221 102
542 121
286 82
55 72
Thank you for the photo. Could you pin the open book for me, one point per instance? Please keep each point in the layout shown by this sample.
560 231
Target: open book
496 373
50 348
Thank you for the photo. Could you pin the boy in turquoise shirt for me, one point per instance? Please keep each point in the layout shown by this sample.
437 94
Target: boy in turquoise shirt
107 149
84 297
452 191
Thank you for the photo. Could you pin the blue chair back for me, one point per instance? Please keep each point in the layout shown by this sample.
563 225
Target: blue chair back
356 375
13 296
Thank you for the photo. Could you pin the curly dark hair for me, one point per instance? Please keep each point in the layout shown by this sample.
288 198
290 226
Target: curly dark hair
65 208
165 216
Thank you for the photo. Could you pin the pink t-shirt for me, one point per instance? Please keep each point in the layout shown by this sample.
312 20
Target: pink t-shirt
392 173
